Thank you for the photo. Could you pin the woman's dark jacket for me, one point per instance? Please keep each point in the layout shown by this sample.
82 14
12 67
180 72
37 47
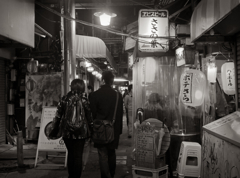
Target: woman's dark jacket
102 104
66 106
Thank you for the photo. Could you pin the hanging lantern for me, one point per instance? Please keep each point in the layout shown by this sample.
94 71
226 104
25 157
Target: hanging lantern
32 66
193 84
212 73
31 84
148 70
228 78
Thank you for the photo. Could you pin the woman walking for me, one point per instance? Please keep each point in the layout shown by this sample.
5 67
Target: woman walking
73 117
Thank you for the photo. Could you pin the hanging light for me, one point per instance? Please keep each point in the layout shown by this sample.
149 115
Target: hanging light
105 63
32 66
90 69
192 87
212 72
228 78
94 72
88 64
105 17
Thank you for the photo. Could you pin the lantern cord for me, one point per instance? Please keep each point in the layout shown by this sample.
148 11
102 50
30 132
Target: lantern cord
219 52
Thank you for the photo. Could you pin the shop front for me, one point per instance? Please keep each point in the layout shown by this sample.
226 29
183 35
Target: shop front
215 33
197 92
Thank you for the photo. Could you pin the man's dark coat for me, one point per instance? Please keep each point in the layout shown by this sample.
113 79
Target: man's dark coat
102 104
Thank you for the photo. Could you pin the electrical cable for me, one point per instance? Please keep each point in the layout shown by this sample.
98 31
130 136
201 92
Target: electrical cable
100 27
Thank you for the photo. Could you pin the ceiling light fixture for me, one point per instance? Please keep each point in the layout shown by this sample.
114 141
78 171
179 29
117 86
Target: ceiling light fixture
105 17
90 69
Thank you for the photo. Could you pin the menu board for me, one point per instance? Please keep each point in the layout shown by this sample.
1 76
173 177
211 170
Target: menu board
145 142
145 156
48 113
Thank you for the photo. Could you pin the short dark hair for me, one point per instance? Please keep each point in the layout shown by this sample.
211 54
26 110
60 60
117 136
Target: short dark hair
78 85
108 77
90 87
130 87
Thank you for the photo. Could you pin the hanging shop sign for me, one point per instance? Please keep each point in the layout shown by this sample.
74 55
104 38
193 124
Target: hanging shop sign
193 84
228 78
153 29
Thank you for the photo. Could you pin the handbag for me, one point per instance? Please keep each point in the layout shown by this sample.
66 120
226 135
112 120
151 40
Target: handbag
55 132
103 130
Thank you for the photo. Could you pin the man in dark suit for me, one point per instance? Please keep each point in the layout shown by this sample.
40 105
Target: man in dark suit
102 103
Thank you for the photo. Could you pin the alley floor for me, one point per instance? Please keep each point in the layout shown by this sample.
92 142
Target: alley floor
51 167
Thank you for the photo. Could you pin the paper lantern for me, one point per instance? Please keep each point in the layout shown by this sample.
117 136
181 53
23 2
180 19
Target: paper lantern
31 85
148 70
228 78
212 74
193 84
32 66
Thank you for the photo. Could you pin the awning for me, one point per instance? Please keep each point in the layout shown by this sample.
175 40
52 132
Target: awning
92 47
217 14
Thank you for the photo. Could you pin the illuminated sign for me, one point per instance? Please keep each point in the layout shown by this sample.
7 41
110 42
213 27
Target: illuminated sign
153 30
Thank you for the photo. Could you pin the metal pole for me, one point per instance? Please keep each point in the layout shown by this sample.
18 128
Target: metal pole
69 44
20 149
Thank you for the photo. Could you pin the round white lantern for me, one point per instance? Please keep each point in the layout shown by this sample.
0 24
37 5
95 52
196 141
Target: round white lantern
228 78
192 87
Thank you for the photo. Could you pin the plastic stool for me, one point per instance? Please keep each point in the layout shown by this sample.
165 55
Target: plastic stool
189 160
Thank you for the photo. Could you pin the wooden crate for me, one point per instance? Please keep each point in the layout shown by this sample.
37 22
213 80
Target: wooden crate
140 172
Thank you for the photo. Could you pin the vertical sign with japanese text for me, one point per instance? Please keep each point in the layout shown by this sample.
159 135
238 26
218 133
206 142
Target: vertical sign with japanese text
187 88
153 29
230 78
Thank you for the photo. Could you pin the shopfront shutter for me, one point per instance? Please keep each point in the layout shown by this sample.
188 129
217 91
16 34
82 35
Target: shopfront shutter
238 67
2 102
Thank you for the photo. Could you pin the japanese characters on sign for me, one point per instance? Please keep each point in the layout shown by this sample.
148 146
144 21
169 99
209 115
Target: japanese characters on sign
153 24
230 76
187 88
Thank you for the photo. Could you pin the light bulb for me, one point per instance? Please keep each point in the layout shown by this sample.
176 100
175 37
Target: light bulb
198 94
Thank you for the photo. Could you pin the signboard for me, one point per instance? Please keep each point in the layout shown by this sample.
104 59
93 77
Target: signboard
44 143
153 29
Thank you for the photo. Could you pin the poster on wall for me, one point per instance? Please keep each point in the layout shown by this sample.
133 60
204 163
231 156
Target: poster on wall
41 90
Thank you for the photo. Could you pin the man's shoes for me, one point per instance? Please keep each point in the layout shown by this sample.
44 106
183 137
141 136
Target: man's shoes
129 136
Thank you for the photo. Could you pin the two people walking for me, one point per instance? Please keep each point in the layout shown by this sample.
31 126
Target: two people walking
74 117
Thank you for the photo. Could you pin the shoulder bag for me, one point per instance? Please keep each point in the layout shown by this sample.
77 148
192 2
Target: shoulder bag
103 130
